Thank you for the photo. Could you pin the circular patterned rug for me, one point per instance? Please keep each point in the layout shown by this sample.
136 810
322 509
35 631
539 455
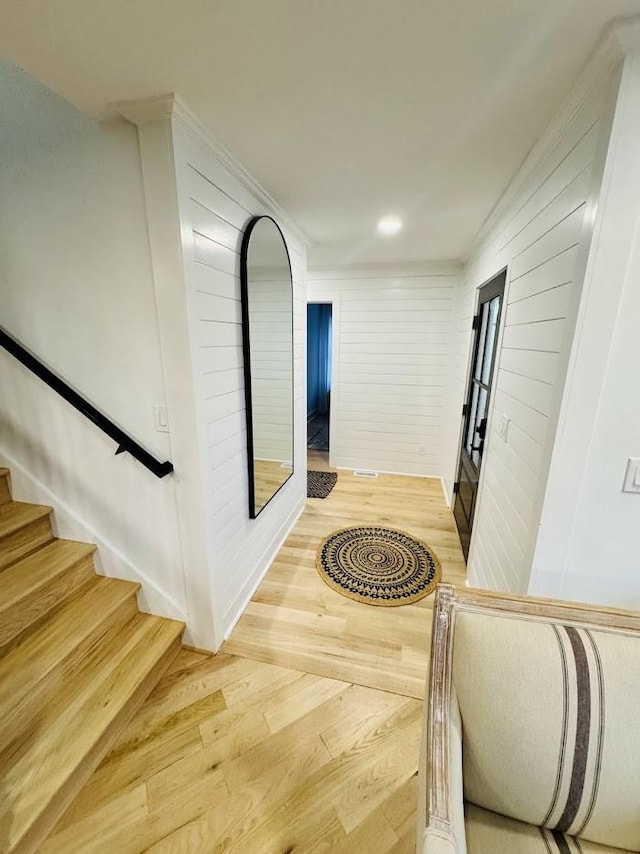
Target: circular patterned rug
379 566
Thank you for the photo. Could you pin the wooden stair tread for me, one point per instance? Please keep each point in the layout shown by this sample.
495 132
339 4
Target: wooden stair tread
5 492
77 659
16 514
64 636
59 746
28 575
38 584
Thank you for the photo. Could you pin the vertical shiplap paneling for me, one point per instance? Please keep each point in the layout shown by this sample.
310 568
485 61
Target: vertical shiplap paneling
394 342
215 206
539 238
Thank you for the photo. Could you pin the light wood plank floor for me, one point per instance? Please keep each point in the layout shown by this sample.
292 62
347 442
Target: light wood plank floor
296 620
314 752
233 755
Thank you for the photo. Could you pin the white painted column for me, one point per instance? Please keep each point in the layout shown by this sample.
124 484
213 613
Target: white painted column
154 121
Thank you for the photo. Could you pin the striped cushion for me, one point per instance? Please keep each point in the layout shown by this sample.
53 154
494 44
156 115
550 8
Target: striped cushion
489 833
550 718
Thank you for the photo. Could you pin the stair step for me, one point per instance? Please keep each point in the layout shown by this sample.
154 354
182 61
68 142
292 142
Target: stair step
32 589
59 744
23 529
5 489
42 661
77 659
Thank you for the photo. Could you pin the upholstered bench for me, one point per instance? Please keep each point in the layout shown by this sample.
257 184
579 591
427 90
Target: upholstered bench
532 731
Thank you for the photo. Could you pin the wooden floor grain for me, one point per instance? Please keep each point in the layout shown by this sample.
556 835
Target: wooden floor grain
296 620
314 749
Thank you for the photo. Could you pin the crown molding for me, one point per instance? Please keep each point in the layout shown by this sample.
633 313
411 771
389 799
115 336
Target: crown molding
146 110
625 34
169 107
621 38
385 270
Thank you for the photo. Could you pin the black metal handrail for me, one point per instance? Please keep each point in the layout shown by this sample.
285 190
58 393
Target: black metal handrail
124 441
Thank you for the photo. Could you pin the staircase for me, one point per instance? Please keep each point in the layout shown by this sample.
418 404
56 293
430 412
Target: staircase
77 659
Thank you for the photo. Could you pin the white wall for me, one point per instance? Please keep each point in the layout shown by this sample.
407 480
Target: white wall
76 288
541 232
587 545
392 349
216 201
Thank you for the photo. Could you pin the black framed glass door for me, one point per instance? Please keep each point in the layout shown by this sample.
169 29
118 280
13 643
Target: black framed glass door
475 411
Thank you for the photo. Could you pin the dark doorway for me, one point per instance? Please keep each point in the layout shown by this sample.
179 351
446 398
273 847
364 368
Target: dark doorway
486 324
318 375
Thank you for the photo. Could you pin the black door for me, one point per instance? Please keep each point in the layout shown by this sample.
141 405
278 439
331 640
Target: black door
486 325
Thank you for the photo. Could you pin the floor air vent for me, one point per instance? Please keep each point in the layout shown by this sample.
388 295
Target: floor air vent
363 473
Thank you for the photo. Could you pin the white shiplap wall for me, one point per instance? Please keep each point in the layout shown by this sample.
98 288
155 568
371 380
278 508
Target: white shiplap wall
589 525
542 237
392 342
214 206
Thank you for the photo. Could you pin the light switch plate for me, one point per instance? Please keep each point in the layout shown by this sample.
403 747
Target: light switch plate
632 476
161 418
504 427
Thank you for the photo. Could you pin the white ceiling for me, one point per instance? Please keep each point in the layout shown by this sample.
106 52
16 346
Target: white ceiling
344 110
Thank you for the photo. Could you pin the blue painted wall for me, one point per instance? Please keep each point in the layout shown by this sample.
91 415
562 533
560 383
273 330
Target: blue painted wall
313 360
318 358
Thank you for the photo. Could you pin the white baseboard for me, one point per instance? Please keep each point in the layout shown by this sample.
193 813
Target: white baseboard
446 491
386 471
237 608
108 560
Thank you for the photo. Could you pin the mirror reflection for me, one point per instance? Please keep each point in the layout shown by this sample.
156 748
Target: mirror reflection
267 314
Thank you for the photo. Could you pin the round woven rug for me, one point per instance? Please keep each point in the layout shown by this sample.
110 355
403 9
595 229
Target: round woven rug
379 566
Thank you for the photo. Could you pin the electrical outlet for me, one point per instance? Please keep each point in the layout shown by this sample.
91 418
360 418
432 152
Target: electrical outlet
422 450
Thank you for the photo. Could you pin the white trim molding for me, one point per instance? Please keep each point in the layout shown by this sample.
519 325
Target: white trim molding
385 271
170 106
108 559
619 39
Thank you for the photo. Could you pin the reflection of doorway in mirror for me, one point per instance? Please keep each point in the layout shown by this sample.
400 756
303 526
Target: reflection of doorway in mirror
319 320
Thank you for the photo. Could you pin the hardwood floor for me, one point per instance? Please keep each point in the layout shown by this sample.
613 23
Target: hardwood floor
315 752
296 620
232 755
268 477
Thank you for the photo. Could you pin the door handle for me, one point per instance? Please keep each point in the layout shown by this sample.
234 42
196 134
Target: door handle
481 430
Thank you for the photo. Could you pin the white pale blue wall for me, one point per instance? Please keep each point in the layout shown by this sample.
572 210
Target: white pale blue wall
586 548
392 334
541 233
76 288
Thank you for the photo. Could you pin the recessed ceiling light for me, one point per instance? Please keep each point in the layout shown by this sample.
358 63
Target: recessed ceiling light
389 225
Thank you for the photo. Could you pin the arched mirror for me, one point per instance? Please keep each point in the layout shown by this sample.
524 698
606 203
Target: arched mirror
267 326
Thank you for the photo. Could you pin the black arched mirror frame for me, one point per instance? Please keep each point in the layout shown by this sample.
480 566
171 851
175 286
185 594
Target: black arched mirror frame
267 343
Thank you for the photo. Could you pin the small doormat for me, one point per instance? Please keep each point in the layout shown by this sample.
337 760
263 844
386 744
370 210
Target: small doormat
320 483
379 566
